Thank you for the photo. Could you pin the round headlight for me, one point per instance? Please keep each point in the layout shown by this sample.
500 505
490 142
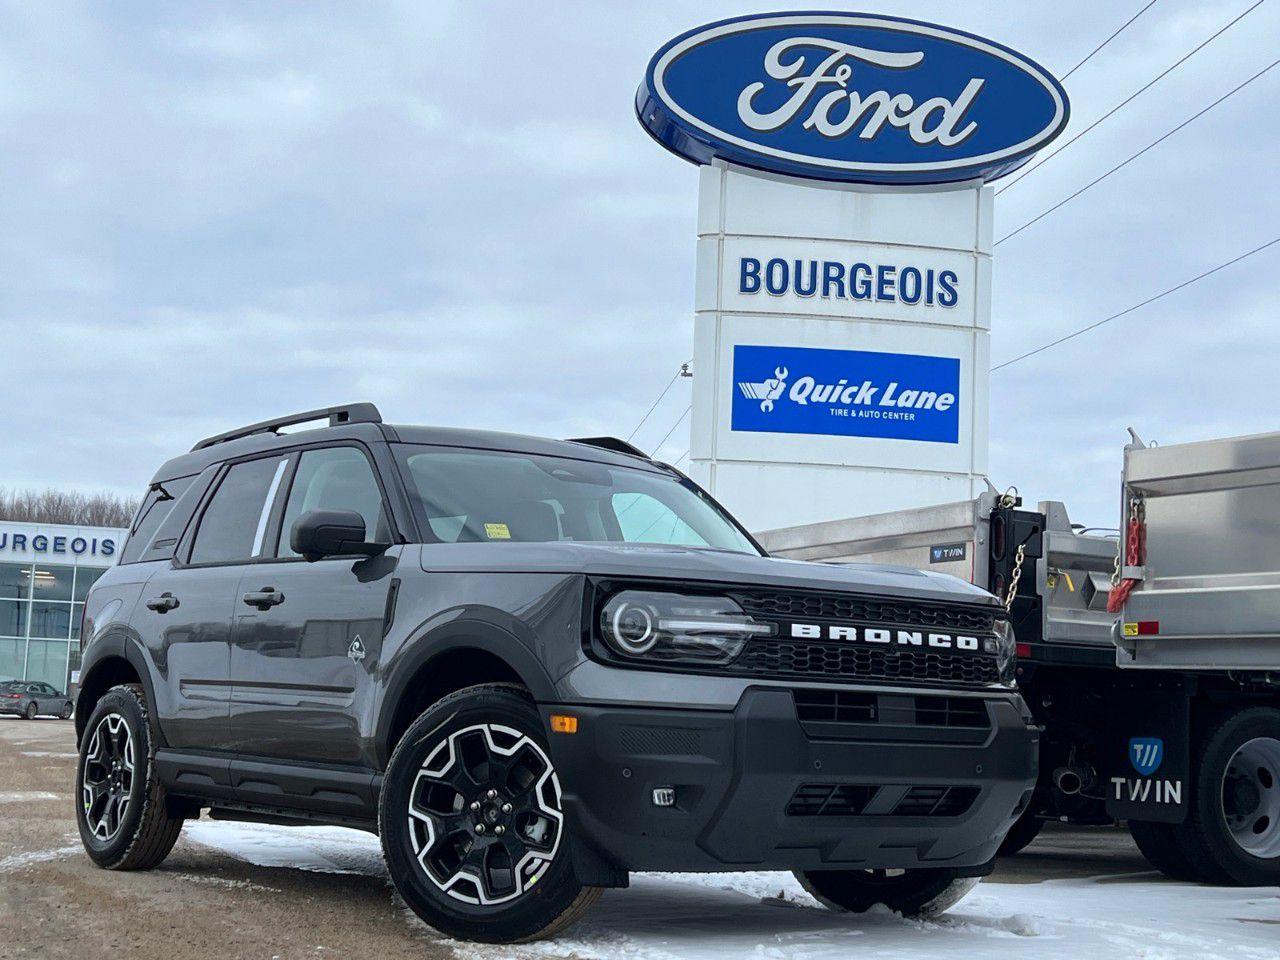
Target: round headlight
633 628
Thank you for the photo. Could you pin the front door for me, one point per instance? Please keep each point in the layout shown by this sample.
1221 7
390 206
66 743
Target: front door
308 636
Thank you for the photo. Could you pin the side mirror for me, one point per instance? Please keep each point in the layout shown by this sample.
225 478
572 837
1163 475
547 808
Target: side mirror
331 533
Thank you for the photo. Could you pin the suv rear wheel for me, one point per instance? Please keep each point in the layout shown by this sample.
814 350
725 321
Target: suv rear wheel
912 893
471 821
120 806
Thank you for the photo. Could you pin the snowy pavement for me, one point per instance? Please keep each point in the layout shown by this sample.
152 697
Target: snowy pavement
1127 913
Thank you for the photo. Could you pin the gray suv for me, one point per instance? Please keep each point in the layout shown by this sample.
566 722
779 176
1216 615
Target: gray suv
531 667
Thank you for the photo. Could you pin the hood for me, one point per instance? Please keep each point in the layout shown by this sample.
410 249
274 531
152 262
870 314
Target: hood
698 564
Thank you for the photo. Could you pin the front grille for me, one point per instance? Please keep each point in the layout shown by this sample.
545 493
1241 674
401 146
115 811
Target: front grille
861 707
814 659
856 799
845 608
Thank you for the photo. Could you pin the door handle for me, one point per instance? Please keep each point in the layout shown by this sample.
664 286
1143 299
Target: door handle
163 603
264 599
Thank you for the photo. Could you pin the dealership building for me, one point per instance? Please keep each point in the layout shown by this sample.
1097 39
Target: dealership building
46 570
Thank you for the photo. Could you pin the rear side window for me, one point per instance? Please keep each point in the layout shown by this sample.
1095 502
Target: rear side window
155 508
235 520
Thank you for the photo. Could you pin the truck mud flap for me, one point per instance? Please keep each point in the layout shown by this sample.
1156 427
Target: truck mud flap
1147 762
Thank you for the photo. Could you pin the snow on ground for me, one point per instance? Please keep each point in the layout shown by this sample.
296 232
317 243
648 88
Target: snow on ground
26 796
769 917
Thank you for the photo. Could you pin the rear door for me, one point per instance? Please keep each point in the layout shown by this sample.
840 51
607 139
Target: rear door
187 608
309 635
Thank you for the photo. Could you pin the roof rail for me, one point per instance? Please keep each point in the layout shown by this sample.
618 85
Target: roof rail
347 413
611 443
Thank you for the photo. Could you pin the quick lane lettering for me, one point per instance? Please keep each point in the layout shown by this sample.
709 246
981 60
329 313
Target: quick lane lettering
835 280
904 638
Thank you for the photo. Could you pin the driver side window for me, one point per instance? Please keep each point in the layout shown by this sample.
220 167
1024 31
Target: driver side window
337 478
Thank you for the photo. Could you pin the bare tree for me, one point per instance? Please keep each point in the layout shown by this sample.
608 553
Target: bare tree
67 506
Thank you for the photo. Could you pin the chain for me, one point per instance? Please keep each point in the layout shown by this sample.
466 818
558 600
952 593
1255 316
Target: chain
1017 575
1127 544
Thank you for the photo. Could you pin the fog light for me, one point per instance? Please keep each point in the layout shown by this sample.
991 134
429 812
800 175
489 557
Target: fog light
664 796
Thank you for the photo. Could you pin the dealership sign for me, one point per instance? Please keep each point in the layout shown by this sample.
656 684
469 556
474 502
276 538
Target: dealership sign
855 393
850 97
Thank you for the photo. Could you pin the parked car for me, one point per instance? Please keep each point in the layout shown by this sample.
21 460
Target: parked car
531 667
31 698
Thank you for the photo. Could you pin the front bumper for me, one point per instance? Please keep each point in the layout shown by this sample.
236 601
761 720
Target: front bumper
747 783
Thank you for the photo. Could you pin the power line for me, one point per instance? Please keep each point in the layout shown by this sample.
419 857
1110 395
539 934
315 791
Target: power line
673 428
1127 161
1122 29
1133 96
654 405
1136 306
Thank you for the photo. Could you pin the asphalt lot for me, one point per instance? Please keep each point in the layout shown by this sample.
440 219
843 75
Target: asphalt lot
235 890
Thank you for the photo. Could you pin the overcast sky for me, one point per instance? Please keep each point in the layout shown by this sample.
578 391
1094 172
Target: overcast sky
211 213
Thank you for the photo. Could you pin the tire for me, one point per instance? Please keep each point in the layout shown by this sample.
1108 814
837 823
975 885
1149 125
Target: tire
120 806
913 893
1025 829
1235 809
65 712
31 711
438 784
1167 848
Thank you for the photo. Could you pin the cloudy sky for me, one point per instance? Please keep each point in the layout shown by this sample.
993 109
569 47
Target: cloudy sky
215 212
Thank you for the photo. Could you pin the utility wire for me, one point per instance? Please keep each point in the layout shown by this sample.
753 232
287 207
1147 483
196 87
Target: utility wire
673 428
1129 160
655 403
1122 29
1133 96
1136 306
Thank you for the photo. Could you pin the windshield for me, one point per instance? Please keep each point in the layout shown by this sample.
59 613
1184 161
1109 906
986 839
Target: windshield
474 496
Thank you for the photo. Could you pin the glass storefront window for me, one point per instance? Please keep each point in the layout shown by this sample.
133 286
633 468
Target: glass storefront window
13 618
50 582
15 581
47 661
51 620
77 614
13 655
86 577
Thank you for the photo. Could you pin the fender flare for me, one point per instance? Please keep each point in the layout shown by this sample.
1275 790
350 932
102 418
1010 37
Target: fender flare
463 634
115 643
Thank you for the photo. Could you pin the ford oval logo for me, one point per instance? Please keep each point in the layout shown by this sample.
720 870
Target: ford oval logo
851 97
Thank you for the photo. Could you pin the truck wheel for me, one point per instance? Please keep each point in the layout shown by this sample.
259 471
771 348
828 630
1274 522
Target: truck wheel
472 825
1165 847
121 811
912 893
1025 829
1236 805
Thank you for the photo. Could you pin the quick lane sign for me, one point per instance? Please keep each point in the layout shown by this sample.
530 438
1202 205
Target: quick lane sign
853 393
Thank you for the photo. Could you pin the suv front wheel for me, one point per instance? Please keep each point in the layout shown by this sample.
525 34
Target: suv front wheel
472 825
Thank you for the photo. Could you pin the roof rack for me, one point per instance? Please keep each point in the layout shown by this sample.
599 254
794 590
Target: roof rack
611 443
347 413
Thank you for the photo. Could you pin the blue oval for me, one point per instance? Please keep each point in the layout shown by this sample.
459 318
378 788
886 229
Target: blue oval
851 97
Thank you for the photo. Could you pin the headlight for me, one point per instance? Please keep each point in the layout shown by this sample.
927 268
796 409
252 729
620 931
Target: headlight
667 627
1004 645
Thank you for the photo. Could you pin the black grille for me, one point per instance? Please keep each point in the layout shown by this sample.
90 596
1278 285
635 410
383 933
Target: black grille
936 802
835 706
820 606
855 706
788 658
830 800
857 799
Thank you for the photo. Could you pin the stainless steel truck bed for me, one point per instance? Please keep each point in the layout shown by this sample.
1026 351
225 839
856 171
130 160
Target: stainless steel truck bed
1206 592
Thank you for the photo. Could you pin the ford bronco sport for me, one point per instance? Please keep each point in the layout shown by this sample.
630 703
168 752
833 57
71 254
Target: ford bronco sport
531 667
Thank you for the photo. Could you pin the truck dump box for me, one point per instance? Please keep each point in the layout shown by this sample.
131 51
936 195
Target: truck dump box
1204 581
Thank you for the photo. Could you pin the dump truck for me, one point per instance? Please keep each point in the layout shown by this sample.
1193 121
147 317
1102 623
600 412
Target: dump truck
1148 654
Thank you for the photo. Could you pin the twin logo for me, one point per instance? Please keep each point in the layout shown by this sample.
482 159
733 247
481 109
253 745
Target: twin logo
1146 754
846 392
851 97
